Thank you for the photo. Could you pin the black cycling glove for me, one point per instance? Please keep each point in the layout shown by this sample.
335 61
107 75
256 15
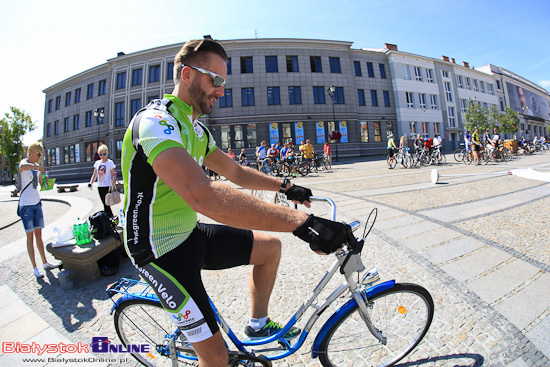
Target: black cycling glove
322 234
298 193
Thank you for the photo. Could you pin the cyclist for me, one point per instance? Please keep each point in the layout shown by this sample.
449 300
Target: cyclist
163 149
308 151
476 143
261 154
273 153
327 152
418 145
391 147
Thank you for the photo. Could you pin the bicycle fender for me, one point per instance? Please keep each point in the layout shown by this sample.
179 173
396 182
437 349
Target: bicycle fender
127 297
342 311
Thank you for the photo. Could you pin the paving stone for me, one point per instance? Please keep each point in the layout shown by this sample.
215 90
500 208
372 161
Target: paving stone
451 250
471 265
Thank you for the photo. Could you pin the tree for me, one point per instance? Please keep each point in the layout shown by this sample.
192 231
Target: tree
12 128
476 116
509 121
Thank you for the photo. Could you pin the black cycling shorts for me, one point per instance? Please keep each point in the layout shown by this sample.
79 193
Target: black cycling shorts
176 276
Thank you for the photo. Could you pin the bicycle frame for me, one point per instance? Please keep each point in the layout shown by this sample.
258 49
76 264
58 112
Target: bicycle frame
347 260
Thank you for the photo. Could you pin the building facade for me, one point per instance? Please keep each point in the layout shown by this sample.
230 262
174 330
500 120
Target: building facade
277 90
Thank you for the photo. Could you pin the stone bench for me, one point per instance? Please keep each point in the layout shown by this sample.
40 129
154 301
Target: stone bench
63 188
81 261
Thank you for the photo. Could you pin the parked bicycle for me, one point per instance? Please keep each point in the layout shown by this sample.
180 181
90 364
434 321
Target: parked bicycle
378 326
403 157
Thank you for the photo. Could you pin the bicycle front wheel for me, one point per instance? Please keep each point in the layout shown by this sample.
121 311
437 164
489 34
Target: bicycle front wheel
139 322
403 315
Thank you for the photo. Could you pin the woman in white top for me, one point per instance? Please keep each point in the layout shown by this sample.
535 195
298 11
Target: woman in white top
30 206
104 170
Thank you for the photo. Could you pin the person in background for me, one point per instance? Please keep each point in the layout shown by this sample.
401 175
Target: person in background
391 147
104 171
476 143
327 152
438 142
308 152
230 153
242 158
30 206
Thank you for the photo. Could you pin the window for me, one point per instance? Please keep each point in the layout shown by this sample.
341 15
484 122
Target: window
433 101
287 129
382 71
67 99
137 77
76 122
386 98
271 64
361 97
425 130
452 120
77 95
364 131
227 99
459 81
485 105
50 105
154 73
429 75
135 106
406 72
445 73
238 137
90 91
374 97
57 102
228 66
482 86
490 88
246 65
448 93
118 146
247 95
463 104
315 62
410 99
334 63
170 71
370 70
295 95
101 87
412 128
418 73
421 100
68 151
150 98
292 64
251 135
88 118
49 130
273 96
318 95
498 85
468 83
501 103
357 67
377 134
338 95
436 127
121 80
119 114
389 129
475 85
56 128
67 125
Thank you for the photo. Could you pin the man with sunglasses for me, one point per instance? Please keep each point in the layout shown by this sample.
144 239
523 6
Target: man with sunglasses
163 151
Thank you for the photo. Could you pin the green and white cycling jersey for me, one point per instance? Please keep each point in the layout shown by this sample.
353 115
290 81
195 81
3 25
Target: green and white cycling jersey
157 219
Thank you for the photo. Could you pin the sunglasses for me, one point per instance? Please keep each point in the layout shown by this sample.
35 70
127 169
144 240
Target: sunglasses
38 154
217 79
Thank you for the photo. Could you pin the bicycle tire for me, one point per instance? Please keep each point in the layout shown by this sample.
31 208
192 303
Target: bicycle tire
441 159
302 168
140 322
407 161
393 162
327 164
350 343
468 158
459 155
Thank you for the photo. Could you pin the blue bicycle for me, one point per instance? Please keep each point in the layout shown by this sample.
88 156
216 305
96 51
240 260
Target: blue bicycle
378 326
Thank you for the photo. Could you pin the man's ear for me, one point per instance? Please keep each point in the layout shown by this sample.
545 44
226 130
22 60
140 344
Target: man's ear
185 75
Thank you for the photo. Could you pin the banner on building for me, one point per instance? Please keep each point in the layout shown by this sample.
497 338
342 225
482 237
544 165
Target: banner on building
320 132
343 131
299 130
526 102
77 153
273 133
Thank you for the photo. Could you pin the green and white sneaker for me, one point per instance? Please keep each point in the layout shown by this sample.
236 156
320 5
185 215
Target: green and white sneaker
270 328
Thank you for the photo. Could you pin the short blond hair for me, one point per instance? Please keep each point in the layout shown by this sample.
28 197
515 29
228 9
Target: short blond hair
35 147
103 148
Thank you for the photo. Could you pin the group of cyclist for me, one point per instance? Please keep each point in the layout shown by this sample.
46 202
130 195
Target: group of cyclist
287 154
428 145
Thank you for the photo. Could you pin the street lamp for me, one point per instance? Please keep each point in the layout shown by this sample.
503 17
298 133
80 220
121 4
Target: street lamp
331 91
99 115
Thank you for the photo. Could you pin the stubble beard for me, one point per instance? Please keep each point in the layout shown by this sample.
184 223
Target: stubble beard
199 96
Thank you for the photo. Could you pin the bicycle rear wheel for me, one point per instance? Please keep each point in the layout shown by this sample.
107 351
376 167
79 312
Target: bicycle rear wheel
403 314
302 168
459 155
139 322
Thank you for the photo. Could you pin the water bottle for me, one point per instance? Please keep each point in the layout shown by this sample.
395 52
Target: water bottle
121 216
87 233
77 233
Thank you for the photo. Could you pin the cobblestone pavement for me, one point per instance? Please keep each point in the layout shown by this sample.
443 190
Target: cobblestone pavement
478 241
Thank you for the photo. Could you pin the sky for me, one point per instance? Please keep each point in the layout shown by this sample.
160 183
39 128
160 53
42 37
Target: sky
43 42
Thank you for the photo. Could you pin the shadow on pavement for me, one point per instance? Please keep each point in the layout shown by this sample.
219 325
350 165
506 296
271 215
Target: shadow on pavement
459 360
